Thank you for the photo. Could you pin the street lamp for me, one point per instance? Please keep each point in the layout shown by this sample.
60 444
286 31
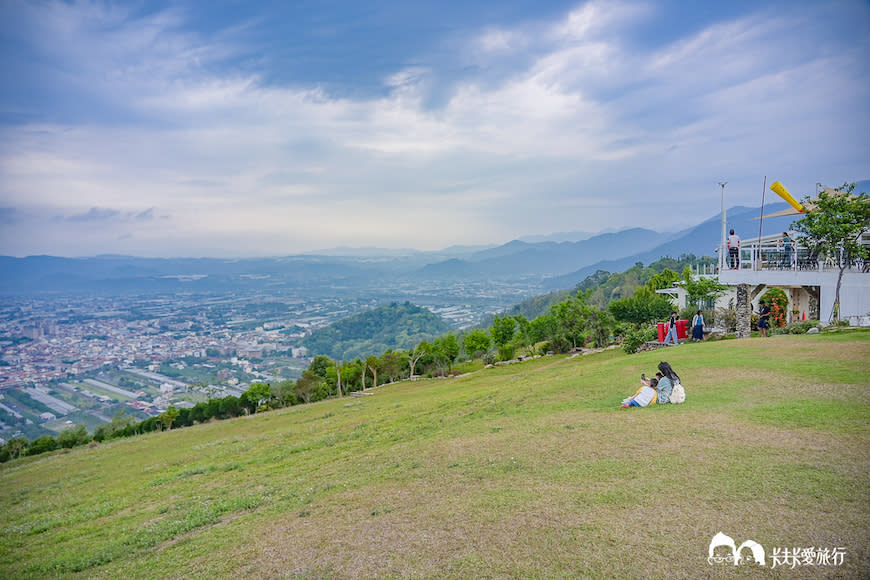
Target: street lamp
722 184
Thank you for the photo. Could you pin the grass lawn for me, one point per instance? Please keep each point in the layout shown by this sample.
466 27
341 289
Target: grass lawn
522 471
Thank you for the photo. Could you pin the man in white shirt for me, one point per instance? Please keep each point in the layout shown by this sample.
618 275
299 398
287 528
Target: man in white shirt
734 250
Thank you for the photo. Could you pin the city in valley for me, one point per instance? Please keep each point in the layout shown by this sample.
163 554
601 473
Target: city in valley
70 360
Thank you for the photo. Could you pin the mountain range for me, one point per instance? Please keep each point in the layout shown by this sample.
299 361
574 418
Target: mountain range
551 264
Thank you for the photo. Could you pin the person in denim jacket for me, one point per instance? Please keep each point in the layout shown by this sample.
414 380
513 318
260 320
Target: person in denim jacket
667 382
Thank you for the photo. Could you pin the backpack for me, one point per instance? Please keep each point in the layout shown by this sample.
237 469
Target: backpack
678 395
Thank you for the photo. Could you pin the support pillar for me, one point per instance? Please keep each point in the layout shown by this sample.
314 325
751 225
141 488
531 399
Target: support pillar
813 292
743 311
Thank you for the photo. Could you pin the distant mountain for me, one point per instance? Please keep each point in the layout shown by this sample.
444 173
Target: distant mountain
554 264
519 259
701 240
561 237
395 326
125 274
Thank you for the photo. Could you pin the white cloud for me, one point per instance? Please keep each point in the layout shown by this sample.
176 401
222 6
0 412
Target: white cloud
581 136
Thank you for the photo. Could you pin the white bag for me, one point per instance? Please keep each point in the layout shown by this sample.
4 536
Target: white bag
678 395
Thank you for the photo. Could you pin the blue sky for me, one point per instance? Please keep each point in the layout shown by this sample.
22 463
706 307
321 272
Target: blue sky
235 128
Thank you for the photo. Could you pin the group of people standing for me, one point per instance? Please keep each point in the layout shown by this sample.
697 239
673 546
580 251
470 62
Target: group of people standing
658 390
785 246
671 336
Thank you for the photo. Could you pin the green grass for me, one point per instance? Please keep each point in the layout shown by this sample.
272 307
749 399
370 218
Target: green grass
522 471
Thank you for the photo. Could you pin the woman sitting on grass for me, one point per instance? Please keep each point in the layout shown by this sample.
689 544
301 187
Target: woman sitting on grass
666 382
645 395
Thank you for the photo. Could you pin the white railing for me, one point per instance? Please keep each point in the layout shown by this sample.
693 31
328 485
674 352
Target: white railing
773 256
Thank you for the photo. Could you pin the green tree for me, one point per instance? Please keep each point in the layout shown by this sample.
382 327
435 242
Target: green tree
572 319
309 387
73 436
502 330
833 226
476 342
446 349
644 307
15 447
230 406
523 337
260 393
701 290
113 428
167 417
664 279
372 364
392 364
320 366
42 445
283 391
416 355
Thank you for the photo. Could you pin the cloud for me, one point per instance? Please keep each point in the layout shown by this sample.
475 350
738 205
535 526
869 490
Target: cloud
95 214
551 118
9 215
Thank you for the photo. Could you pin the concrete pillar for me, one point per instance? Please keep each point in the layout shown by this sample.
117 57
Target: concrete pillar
743 311
813 292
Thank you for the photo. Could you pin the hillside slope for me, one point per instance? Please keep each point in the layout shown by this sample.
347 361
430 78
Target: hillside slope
392 326
523 471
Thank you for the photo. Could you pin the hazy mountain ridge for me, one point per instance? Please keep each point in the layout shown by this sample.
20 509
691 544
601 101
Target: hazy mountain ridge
554 264
701 240
517 258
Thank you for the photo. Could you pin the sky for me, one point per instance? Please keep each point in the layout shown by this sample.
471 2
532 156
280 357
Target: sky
233 128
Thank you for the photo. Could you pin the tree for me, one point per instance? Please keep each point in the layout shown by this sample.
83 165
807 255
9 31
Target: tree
259 393
15 447
645 306
571 320
73 436
230 406
833 228
391 364
42 445
284 392
113 428
414 355
446 349
664 279
476 342
523 336
309 386
503 328
321 365
167 417
372 363
701 290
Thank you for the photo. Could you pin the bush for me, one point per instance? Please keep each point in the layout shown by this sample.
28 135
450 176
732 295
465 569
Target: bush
634 338
42 445
506 352
778 302
727 319
73 436
797 327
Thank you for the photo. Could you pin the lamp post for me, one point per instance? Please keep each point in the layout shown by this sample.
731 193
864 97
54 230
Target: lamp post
722 184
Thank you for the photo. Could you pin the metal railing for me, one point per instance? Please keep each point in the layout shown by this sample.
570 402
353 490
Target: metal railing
775 256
